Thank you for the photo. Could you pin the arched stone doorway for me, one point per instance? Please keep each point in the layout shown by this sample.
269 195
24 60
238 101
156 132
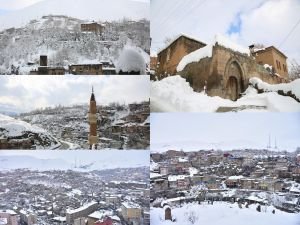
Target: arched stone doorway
234 82
232 89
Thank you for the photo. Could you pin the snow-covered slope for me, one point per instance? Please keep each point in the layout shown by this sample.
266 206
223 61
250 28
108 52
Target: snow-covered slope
19 130
99 162
84 9
221 213
176 95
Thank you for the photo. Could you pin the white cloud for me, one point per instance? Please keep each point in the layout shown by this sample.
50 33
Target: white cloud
31 92
16 4
270 24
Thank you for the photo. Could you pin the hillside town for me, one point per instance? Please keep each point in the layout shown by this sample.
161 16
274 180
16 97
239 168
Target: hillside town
56 197
247 177
58 45
118 127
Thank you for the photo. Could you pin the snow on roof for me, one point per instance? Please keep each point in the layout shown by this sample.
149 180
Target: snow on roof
155 175
131 205
11 212
182 159
235 177
195 57
60 218
225 42
100 214
178 36
206 51
81 208
176 177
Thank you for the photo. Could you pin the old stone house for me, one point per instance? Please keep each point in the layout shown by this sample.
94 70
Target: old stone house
225 68
92 27
86 69
169 57
273 57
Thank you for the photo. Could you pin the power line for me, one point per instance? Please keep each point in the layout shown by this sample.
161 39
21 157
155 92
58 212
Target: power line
289 33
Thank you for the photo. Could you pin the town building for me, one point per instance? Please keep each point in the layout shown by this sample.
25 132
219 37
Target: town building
83 211
28 217
44 69
273 57
170 56
131 212
92 117
92 27
86 69
224 68
8 217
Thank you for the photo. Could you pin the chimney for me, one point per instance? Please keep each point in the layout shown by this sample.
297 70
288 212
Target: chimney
43 60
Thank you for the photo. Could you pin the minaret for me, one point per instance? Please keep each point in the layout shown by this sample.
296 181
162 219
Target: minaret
92 116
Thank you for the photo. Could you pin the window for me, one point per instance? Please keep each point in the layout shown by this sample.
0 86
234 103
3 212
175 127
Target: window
168 54
279 65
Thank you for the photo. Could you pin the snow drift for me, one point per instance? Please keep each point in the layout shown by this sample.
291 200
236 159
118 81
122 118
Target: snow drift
174 94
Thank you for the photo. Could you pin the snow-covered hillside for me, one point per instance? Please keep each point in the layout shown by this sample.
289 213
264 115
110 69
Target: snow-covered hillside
11 162
61 39
105 10
20 132
225 214
176 95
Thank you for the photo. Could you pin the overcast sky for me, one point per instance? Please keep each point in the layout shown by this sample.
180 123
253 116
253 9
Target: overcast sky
246 22
25 93
12 5
132 157
225 130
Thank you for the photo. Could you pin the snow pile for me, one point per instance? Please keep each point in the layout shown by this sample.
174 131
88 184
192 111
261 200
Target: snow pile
225 214
174 94
206 51
195 57
293 87
131 60
16 128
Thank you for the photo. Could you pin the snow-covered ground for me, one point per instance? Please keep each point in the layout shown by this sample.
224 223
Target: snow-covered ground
222 213
174 94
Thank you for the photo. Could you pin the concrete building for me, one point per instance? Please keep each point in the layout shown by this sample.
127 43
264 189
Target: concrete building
92 117
131 212
28 217
83 211
8 217
170 56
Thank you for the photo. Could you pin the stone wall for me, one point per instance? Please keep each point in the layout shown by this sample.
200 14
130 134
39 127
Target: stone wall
226 73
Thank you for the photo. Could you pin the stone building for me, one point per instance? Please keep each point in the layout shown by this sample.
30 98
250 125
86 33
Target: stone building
273 57
86 69
226 71
44 69
169 57
28 217
92 27
92 117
